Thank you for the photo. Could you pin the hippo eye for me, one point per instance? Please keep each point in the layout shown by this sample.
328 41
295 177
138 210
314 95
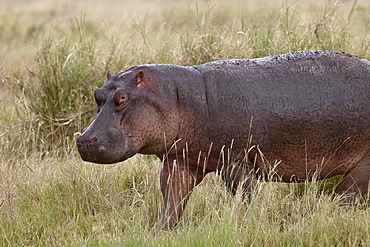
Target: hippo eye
120 99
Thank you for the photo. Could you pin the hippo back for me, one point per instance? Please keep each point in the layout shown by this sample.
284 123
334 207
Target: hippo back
305 105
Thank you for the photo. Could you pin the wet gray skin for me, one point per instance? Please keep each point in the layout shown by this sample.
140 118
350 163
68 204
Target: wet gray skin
303 115
104 141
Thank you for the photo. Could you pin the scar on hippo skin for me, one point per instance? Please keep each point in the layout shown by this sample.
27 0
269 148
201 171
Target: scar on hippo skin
310 120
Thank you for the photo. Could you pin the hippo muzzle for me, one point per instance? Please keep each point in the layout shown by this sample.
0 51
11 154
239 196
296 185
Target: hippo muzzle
105 147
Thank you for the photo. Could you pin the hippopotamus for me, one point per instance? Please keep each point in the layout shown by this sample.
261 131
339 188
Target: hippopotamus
301 116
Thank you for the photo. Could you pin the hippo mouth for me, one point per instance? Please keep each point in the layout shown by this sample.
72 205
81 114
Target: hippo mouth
95 150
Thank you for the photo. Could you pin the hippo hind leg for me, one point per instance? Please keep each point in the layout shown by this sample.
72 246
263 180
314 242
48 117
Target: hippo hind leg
356 182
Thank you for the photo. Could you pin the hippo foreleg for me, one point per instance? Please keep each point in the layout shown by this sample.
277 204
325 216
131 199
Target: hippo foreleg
178 179
239 175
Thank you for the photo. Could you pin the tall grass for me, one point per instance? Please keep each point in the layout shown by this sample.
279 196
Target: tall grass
74 204
50 198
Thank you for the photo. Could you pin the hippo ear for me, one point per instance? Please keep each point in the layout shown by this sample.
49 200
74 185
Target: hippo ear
109 75
139 77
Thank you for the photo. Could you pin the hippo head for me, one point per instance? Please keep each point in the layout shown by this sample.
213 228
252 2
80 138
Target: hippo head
132 118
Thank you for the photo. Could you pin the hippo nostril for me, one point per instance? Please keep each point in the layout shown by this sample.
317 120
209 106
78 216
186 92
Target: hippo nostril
94 140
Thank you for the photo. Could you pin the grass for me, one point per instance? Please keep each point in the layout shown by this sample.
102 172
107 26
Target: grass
75 204
54 55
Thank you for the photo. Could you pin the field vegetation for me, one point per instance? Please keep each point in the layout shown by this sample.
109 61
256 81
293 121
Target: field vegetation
54 54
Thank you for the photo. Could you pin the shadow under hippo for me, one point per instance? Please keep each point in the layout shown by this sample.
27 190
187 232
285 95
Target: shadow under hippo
303 115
